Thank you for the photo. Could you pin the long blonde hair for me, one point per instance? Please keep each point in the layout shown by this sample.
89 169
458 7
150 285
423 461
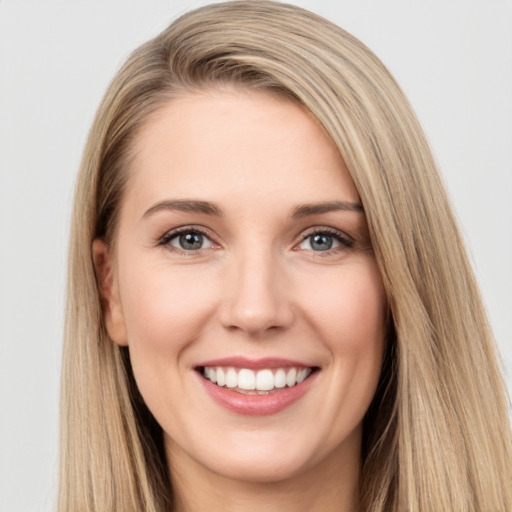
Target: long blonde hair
437 435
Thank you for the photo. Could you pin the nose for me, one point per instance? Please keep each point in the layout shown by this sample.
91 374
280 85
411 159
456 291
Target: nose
256 298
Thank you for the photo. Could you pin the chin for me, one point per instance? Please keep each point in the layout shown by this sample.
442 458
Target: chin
266 469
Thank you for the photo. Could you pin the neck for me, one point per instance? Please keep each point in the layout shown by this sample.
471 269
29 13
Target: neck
331 486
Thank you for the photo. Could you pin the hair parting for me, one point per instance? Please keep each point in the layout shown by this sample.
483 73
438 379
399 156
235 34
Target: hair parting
437 435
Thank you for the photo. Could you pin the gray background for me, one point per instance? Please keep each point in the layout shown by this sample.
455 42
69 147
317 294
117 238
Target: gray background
452 57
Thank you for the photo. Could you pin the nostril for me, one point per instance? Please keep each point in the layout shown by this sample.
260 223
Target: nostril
256 299
255 321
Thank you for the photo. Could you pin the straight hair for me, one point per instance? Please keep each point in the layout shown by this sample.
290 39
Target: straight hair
437 434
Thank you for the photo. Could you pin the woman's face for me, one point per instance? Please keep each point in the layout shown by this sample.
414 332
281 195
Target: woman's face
243 260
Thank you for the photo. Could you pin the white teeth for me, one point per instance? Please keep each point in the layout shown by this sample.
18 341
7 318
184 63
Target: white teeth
265 380
246 379
257 382
231 378
302 374
280 378
221 377
291 377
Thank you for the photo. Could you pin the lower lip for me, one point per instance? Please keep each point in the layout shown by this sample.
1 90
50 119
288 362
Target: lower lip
258 405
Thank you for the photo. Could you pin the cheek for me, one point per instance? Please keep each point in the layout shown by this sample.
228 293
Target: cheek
163 308
165 312
350 309
350 321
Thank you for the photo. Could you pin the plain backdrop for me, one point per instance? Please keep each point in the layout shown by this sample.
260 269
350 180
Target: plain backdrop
452 57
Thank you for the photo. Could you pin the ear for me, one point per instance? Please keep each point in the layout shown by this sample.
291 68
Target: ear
109 289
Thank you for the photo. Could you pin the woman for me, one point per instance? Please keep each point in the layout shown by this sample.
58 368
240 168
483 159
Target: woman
269 302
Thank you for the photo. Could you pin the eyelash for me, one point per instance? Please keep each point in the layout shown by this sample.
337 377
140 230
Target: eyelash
341 237
168 237
345 241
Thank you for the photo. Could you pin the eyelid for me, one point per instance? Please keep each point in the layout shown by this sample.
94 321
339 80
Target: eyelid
173 233
345 240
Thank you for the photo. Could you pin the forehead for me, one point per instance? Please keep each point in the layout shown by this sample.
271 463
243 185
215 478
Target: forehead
231 146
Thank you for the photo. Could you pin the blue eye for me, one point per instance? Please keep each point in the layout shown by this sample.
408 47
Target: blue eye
189 241
324 241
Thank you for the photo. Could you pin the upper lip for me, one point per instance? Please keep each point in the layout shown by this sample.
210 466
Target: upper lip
254 364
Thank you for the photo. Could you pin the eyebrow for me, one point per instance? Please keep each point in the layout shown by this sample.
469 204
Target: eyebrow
208 208
190 206
305 210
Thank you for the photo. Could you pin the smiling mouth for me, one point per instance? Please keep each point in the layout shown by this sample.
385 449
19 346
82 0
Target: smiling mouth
265 381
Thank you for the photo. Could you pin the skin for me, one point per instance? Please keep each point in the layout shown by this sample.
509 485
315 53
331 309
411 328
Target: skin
256 288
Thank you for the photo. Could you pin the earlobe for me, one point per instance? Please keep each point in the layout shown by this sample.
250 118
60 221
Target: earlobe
112 309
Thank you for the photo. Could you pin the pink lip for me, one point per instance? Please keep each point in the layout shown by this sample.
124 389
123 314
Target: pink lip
255 405
254 364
